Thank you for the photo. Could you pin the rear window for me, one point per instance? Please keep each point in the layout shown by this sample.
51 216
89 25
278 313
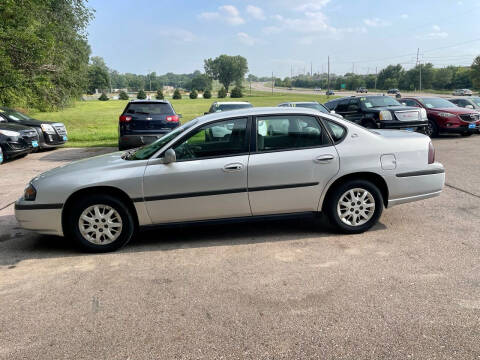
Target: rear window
227 107
149 108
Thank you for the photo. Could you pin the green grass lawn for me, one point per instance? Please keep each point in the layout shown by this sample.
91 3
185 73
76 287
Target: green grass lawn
95 123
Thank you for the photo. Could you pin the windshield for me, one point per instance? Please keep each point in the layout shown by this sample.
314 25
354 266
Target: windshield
146 151
475 100
313 105
15 115
226 107
437 103
379 101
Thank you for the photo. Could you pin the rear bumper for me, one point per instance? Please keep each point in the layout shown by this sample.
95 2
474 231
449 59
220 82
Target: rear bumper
133 141
41 220
416 185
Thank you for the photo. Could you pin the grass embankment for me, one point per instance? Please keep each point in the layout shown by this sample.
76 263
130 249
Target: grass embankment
95 123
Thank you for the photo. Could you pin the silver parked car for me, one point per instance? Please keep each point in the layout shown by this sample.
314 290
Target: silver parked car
462 92
235 164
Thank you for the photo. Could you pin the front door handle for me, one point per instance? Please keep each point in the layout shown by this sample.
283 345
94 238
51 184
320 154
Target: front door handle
324 158
233 167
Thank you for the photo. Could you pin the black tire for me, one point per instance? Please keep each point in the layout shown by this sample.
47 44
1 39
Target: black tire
332 201
431 129
465 134
72 229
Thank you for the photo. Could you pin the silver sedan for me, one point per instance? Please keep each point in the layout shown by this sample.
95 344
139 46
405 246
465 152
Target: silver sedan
238 164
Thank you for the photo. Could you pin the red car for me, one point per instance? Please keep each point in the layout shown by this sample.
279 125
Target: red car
446 117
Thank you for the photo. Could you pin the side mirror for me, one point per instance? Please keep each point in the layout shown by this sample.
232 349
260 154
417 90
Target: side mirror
404 104
206 113
469 107
332 112
169 156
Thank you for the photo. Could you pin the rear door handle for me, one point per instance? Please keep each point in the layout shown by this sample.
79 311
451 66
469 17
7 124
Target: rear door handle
324 158
233 167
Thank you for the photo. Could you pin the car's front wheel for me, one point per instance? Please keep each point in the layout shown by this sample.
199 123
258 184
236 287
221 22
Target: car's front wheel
100 223
431 129
355 206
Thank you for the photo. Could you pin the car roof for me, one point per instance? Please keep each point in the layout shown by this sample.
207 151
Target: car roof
137 101
231 102
257 111
300 102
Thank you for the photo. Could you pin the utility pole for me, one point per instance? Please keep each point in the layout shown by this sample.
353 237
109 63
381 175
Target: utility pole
418 50
420 76
273 82
375 78
328 74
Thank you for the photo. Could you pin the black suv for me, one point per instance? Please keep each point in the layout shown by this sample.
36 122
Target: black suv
50 134
379 112
144 121
16 140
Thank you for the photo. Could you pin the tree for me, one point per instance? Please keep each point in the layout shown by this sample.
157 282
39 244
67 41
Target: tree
123 95
207 94
475 71
193 94
236 92
98 75
141 95
159 95
43 53
222 93
177 95
226 69
103 97
201 82
392 73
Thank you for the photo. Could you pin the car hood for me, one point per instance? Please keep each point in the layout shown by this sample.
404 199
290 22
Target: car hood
456 111
33 122
12 126
93 164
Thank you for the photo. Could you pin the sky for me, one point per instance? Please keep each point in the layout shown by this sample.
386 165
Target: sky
284 36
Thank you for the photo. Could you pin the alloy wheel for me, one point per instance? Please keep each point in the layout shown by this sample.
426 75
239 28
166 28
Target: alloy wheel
356 207
100 224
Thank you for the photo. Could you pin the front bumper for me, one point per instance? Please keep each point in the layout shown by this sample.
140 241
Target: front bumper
133 141
43 219
461 129
402 125
12 150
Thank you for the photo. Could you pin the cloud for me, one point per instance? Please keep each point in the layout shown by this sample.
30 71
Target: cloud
268 30
312 6
247 39
404 16
436 28
375 22
225 13
436 34
178 35
255 12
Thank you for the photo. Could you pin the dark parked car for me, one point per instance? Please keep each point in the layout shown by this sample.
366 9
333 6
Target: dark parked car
471 102
50 134
219 106
362 90
393 91
16 140
444 116
144 121
311 105
379 112
329 92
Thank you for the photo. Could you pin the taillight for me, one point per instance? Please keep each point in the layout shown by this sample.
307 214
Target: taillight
125 118
173 118
431 153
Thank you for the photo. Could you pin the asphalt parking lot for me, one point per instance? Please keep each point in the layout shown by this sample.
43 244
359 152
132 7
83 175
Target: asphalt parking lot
408 289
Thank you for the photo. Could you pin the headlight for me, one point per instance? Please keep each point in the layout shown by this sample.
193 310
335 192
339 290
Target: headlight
423 113
444 114
385 115
48 128
9 133
30 193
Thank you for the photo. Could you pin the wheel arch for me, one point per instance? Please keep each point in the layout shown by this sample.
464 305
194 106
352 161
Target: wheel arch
374 178
99 190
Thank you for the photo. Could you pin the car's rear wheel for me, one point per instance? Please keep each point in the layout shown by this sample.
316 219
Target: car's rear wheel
100 223
355 206
431 129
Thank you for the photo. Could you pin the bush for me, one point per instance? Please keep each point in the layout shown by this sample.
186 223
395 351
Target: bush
141 95
222 93
236 92
159 95
207 94
177 95
103 97
193 94
123 95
